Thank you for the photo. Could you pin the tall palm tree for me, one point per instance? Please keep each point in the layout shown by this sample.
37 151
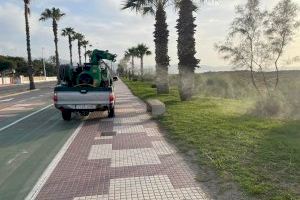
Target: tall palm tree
69 32
79 37
131 53
54 14
142 50
124 62
88 53
84 44
186 48
161 34
27 28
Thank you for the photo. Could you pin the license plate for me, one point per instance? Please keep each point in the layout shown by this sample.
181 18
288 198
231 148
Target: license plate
85 107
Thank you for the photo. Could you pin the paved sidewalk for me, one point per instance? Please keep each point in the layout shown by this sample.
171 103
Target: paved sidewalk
121 158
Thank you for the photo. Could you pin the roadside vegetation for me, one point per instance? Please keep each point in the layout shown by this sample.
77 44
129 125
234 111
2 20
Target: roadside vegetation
260 154
17 66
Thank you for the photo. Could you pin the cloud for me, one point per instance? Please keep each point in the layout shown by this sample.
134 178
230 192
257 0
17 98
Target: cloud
106 26
11 18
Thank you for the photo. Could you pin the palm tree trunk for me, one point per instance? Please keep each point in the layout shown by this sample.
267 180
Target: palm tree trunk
85 54
162 59
186 83
56 49
79 52
142 68
186 49
2 75
30 68
70 47
132 67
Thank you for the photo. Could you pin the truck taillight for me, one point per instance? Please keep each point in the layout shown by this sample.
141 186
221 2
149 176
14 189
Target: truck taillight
55 97
111 98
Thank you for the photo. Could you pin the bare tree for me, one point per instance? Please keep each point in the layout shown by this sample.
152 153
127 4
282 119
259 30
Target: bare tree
257 39
282 24
242 40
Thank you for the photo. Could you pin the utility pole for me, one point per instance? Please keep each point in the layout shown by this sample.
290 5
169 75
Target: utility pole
45 73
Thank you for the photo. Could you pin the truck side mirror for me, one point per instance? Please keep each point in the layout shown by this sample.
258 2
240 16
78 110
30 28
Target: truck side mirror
115 78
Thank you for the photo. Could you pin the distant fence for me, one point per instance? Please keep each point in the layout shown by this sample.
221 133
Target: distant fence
24 80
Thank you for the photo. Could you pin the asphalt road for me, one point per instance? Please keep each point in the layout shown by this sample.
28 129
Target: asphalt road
31 134
12 89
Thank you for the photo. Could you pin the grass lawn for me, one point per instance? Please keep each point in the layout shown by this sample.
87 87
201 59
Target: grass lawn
261 155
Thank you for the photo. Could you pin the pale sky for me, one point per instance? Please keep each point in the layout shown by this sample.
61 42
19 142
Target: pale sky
106 26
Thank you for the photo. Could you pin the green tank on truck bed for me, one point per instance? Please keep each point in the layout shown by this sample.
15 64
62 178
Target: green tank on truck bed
86 88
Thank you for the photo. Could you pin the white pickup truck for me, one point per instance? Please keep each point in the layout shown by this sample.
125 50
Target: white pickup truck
84 100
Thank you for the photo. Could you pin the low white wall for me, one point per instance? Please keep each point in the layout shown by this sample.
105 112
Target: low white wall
6 80
24 80
37 79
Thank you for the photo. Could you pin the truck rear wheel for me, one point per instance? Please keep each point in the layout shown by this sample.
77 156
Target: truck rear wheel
66 115
111 112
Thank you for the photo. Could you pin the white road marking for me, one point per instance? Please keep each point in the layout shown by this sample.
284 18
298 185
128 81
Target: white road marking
16 108
15 94
16 156
23 118
7 115
6 100
46 174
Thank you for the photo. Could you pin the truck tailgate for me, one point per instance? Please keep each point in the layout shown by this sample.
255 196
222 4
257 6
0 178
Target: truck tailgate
94 98
83 96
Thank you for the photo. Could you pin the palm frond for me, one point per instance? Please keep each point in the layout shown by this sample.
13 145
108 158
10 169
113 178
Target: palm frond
142 50
57 13
68 31
78 36
54 13
46 14
141 6
148 10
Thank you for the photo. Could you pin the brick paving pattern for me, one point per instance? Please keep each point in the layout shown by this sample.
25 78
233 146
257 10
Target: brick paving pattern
122 158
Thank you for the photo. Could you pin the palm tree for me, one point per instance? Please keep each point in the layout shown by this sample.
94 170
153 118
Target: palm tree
30 68
142 50
69 32
85 43
55 15
123 63
79 37
88 53
161 34
186 48
131 53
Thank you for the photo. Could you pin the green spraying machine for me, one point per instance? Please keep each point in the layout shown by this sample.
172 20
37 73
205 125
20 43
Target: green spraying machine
94 74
